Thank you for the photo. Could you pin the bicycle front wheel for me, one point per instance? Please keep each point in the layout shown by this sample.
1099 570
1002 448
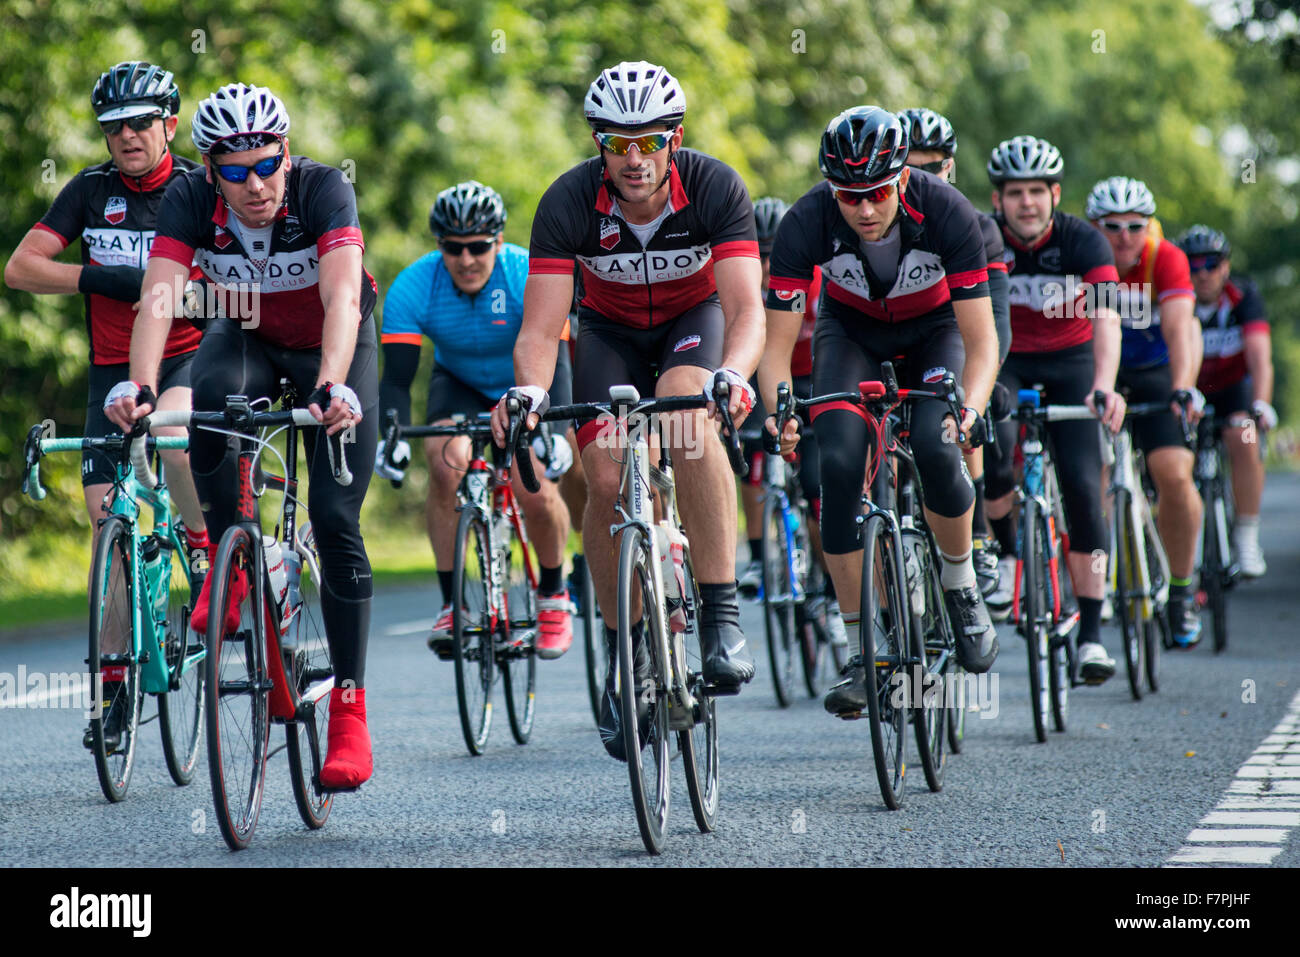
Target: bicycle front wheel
699 745
112 649
884 649
1035 615
1129 591
309 669
517 656
934 647
1213 572
180 710
778 601
474 625
593 634
238 689
647 765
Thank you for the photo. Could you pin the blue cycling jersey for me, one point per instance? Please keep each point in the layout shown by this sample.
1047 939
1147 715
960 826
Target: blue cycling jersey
473 336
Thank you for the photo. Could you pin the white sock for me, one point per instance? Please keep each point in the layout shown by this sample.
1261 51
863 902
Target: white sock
957 572
852 626
1248 528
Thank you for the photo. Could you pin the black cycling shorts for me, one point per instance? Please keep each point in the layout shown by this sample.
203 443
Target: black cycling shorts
846 353
610 353
1066 376
1238 397
450 396
1154 384
96 466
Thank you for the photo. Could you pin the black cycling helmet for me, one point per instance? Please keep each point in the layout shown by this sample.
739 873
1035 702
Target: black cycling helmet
134 88
928 130
863 147
767 216
467 209
1204 241
1025 157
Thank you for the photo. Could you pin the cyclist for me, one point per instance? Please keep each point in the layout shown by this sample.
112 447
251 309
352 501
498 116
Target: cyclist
1236 375
670 302
112 207
467 296
1065 336
279 233
1159 361
932 145
902 257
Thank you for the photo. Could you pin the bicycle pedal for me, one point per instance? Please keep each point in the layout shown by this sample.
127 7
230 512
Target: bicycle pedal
850 715
721 691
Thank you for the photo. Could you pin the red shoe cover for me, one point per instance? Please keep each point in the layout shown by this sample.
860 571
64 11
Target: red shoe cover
199 616
348 761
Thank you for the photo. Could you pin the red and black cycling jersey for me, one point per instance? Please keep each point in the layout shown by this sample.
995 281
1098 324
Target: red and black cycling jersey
319 214
1225 324
711 219
994 247
1052 282
941 256
114 215
801 357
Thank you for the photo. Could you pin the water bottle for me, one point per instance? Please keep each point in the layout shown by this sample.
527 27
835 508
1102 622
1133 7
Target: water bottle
155 575
275 569
293 595
912 569
672 569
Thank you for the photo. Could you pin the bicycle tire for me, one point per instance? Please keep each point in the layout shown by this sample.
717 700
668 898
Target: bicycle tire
932 641
819 657
884 647
180 710
307 665
238 696
1061 593
957 708
112 600
1213 573
699 745
1034 615
650 793
593 635
1128 601
1152 633
778 601
473 630
517 655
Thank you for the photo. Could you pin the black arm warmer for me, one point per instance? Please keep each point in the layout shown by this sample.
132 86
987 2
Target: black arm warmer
401 360
116 282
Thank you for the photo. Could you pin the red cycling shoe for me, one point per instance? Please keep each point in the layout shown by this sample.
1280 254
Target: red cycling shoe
348 762
239 591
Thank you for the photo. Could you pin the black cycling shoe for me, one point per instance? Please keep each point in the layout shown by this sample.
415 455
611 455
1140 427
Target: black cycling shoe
1184 621
977 641
610 724
848 698
727 662
113 721
985 558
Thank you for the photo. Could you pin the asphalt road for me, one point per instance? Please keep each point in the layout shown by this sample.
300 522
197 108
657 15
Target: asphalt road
1128 784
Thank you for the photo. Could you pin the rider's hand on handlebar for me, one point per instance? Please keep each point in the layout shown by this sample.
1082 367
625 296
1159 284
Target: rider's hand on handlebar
969 418
401 459
128 402
789 436
1264 414
335 406
1112 416
1190 401
534 398
740 397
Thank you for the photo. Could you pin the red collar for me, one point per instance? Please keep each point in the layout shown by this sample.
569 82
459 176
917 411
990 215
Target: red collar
1014 241
152 180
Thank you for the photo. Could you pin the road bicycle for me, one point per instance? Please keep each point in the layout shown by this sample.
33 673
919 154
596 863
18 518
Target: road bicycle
657 591
494 576
793 585
140 601
275 666
907 642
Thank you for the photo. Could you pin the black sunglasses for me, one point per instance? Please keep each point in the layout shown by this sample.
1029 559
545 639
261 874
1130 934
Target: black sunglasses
1206 263
478 247
233 173
137 123
934 167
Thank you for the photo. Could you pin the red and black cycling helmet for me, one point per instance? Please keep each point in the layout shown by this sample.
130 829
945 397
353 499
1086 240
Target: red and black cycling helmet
863 147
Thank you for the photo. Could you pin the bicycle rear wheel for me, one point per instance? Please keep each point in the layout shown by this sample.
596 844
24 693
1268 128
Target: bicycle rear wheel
699 745
238 686
1213 572
593 634
819 658
1035 615
309 668
884 644
1156 625
778 601
112 601
1128 591
180 710
474 626
648 766
1059 638
517 657
956 710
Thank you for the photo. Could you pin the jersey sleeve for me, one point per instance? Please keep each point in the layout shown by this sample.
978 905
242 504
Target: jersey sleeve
961 249
66 216
1094 261
558 229
1251 309
794 256
732 231
1173 277
994 247
179 226
406 303
331 213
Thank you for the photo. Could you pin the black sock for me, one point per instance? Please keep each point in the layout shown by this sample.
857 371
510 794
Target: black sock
978 524
1089 619
444 582
348 636
720 604
1004 530
551 580
756 549
1179 592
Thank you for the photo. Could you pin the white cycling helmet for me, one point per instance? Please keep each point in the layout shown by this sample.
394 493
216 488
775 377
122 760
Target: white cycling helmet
238 110
634 94
1119 194
1024 158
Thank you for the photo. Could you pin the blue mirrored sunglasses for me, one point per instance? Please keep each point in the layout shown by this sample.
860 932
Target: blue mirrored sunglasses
233 173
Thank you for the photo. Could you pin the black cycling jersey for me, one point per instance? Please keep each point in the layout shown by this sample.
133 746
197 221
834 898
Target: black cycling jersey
1239 312
114 215
319 214
995 253
710 218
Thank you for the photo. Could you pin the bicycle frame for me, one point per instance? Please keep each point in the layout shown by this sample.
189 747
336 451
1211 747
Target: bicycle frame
1039 484
1124 476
